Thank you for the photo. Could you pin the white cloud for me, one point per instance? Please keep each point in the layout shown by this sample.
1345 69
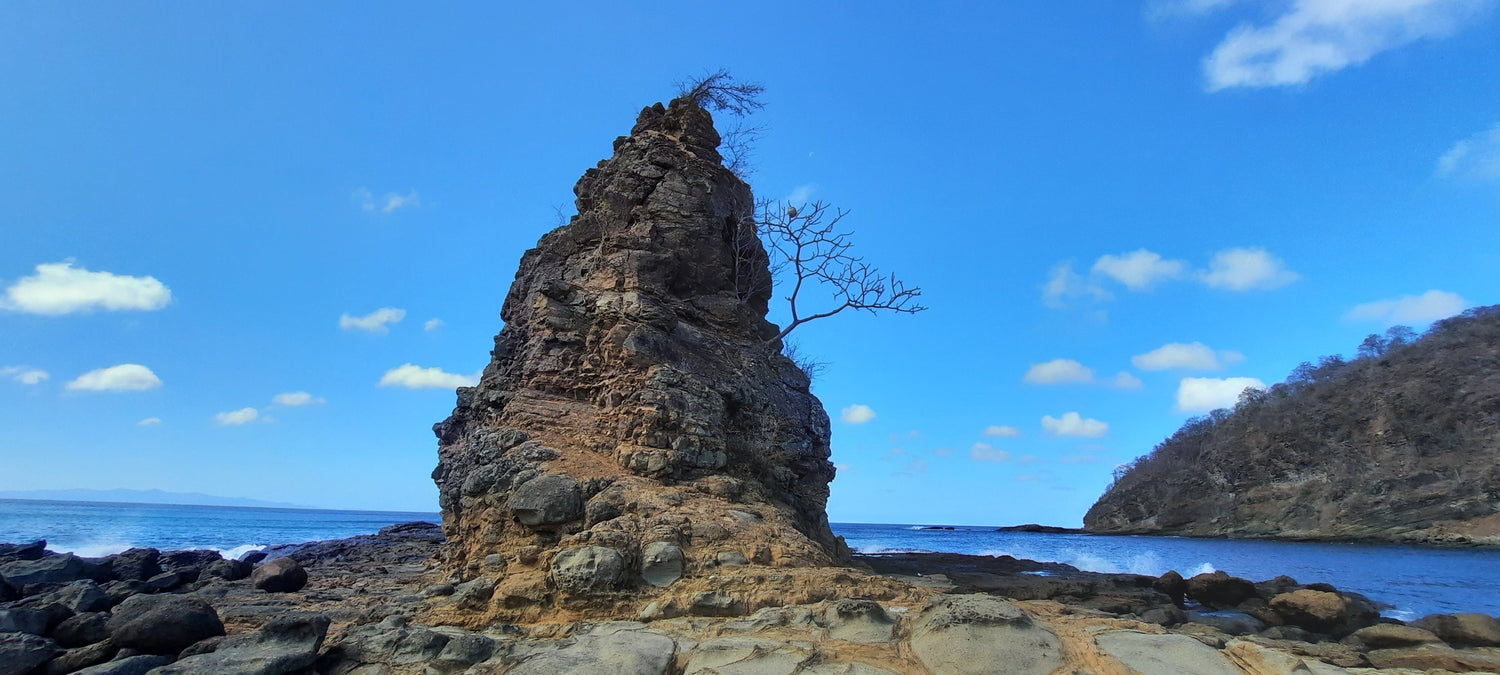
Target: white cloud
1058 371
124 377
984 452
858 413
416 377
1202 394
1188 356
1073 424
25 375
1311 38
235 418
390 203
1139 270
1429 306
801 194
293 399
374 322
1246 269
432 325
1124 380
61 288
149 422
1476 157
998 431
1064 285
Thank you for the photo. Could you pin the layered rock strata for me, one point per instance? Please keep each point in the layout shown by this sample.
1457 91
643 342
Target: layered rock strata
634 425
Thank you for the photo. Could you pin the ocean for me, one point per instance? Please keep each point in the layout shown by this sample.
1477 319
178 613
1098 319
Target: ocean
1413 581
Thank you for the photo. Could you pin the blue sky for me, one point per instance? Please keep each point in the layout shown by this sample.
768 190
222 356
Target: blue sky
249 250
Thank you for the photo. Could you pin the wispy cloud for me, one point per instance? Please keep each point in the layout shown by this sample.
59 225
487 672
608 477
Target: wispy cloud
1058 371
236 418
984 452
149 422
411 376
1312 38
1186 356
377 322
390 203
1142 270
1475 158
124 377
1074 425
1001 431
1139 270
1064 287
1429 306
60 288
858 413
1202 394
432 325
802 194
25 375
1247 269
293 399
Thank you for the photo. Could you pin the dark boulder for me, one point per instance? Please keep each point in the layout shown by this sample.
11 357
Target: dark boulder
1323 612
163 624
1173 585
31 551
119 590
137 563
1218 589
189 564
24 620
79 597
279 575
23 653
254 557
288 643
165 581
82 629
1463 630
53 569
139 664
82 657
228 570
546 502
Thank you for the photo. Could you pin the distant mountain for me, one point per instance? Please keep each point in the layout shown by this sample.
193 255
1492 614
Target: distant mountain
1401 443
143 497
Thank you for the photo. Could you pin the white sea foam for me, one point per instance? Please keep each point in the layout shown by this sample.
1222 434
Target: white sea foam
102 549
877 548
236 552
1205 568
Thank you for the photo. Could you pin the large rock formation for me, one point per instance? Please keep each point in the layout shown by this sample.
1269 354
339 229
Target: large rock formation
1402 444
634 424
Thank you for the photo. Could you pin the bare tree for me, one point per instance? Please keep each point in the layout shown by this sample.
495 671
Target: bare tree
737 145
720 92
805 241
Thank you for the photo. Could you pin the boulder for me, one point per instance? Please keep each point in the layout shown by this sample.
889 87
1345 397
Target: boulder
1436 657
473 594
1463 630
165 581
1324 612
140 664
858 621
286 644
1219 590
82 657
1170 653
228 570
588 569
962 634
1231 623
254 557
546 502
661 563
190 564
279 575
139 564
82 629
119 590
625 652
53 569
163 624
79 596
29 620
22 653
461 652
31 551
1173 585
1390 636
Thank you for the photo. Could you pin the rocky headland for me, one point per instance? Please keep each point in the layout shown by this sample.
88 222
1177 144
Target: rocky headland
637 487
1400 444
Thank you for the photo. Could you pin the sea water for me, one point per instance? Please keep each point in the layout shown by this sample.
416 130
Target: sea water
1413 581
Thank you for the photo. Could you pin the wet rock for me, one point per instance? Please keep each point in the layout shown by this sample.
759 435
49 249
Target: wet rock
163 624
662 563
1390 636
286 644
588 569
859 621
1324 612
626 652
131 665
139 564
1148 653
21 653
228 570
279 575
546 502
1173 585
82 657
1219 590
1463 630
82 629
963 634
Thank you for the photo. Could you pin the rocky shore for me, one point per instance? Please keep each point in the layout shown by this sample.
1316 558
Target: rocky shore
375 605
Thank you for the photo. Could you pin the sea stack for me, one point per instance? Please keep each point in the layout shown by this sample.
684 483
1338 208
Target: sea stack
635 427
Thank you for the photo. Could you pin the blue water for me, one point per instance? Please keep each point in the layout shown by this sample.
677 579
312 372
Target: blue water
1414 581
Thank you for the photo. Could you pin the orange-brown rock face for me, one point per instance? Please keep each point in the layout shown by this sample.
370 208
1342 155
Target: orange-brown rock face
634 427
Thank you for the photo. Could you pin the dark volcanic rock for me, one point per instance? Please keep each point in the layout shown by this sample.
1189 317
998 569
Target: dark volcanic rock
1398 445
279 575
1218 589
79 596
1463 630
189 564
229 570
82 629
53 569
163 624
22 653
31 551
635 357
82 657
130 665
286 644
1324 612
137 563
1173 585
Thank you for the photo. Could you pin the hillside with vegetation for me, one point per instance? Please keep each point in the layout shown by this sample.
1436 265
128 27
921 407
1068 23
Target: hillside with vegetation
1400 443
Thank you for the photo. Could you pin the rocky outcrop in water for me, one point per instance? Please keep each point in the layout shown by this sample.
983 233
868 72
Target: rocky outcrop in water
634 426
1401 444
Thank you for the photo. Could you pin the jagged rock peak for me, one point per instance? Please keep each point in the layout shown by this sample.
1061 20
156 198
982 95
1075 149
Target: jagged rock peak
633 415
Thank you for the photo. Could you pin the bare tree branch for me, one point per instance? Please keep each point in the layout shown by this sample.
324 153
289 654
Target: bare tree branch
806 241
719 91
737 145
